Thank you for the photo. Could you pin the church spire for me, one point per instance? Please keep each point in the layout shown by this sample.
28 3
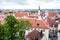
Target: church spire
39 7
39 13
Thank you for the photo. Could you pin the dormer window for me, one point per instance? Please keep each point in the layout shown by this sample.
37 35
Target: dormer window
37 24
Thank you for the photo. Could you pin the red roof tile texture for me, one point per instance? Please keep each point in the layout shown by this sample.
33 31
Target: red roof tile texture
42 24
38 23
52 14
52 22
20 14
33 34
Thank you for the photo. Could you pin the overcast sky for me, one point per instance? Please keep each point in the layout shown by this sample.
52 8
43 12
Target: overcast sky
29 4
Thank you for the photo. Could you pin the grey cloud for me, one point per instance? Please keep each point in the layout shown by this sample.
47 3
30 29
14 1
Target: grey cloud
45 0
16 0
21 2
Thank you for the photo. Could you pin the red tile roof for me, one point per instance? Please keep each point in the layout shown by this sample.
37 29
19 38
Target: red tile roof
38 23
32 21
52 14
52 22
20 14
33 16
33 34
42 24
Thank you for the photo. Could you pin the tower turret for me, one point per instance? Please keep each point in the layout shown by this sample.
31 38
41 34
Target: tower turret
39 14
39 11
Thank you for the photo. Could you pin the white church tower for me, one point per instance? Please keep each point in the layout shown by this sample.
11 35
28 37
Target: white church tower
39 14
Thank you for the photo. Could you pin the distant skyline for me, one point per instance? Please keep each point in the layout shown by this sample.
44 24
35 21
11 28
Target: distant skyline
29 4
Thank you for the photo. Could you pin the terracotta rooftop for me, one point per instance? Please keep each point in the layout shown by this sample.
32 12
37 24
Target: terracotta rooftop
34 35
52 14
38 23
42 24
20 14
52 22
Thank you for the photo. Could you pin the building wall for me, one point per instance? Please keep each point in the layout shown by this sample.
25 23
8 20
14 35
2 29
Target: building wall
58 26
45 32
58 32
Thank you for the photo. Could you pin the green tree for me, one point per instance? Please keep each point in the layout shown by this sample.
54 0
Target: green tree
15 29
1 32
3 29
6 31
11 22
22 24
10 13
34 11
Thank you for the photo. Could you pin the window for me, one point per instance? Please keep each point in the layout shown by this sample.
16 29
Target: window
37 24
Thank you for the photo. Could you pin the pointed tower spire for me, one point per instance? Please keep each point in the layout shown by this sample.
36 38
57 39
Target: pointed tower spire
39 7
39 14
39 10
